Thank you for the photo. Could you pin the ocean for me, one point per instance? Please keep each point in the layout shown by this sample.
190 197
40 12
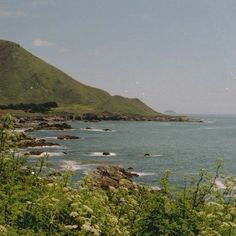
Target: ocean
181 148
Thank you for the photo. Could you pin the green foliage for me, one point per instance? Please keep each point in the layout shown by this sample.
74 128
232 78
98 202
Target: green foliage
32 202
32 107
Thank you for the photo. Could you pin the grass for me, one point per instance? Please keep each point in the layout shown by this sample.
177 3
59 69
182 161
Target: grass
25 78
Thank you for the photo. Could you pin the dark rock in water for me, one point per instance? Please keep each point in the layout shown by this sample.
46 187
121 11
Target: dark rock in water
67 137
36 143
114 176
52 126
106 129
88 128
147 154
130 168
106 153
35 152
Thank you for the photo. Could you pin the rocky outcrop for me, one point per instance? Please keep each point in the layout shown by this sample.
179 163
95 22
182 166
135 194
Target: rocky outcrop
36 143
113 176
52 126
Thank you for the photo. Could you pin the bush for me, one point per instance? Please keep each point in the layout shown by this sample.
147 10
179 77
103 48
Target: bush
32 202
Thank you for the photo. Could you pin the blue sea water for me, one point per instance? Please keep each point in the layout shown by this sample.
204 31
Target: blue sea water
182 148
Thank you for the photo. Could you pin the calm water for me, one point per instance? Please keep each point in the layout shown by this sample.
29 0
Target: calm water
182 148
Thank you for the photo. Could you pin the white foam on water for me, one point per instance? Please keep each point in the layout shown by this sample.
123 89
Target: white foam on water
73 166
144 173
100 154
153 155
53 146
49 154
50 137
20 130
97 130
208 121
52 154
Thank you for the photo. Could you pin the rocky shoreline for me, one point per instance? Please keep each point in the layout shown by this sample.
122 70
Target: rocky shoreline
57 122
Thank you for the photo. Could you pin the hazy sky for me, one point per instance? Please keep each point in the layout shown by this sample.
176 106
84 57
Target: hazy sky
178 55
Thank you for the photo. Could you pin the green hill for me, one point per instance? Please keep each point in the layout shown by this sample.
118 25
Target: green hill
25 78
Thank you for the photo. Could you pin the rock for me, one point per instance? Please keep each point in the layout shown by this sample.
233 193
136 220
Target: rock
147 154
106 129
113 176
35 152
67 137
106 153
36 143
130 168
52 126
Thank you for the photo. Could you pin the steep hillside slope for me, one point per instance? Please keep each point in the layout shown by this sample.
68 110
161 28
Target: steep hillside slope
24 78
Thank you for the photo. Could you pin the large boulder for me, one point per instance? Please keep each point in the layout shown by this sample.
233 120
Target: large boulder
113 176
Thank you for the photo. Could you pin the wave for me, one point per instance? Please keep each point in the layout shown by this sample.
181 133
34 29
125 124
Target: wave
144 173
101 154
208 121
51 137
98 130
71 165
20 130
153 155
74 166
53 146
49 154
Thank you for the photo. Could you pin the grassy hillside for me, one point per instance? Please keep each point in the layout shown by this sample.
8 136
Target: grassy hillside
24 78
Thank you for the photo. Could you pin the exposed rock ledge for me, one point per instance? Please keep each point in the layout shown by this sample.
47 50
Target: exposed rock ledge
112 176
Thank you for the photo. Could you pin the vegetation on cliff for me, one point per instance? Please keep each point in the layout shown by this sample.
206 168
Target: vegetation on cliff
34 201
27 79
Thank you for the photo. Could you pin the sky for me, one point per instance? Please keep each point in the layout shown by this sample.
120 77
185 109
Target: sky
172 54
